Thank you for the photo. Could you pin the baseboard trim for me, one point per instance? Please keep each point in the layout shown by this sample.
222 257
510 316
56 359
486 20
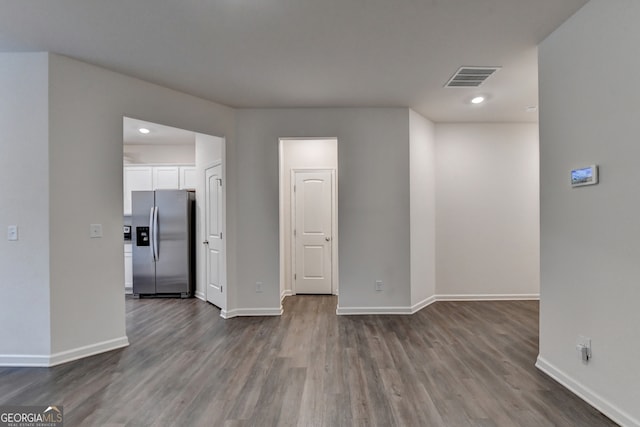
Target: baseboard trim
24 360
285 293
28 360
430 300
128 290
350 311
245 312
200 295
487 297
585 393
422 304
88 350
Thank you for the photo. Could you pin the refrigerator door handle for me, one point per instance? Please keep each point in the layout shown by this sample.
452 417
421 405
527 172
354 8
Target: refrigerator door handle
153 252
156 255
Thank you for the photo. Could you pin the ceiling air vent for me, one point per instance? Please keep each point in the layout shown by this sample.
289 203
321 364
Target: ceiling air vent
471 76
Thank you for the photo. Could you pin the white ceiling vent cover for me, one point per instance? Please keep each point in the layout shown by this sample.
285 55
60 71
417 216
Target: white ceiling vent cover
471 76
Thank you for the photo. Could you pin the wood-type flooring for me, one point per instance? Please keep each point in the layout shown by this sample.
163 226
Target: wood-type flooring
451 364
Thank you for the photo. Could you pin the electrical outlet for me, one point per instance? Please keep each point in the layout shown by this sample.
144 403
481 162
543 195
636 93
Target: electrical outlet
258 287
12 233
95 230
378 285
583 347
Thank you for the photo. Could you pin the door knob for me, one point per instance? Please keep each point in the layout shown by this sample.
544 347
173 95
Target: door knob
206 242
327 238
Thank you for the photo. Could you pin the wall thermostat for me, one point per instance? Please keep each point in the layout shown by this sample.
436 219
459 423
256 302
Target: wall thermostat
584 176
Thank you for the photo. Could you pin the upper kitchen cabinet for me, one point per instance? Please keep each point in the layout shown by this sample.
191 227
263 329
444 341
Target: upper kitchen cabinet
187 177
166 177
148 178
136 178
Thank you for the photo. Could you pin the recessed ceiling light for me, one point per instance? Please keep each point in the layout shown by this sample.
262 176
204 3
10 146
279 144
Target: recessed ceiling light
477 100
144 130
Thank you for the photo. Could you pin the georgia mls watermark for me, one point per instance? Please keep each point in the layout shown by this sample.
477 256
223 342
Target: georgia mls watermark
31 416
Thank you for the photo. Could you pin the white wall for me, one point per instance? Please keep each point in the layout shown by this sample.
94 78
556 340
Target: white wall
24 169
487 209
590 236
160 153
373 216
86 274
422 164
85 187
299 154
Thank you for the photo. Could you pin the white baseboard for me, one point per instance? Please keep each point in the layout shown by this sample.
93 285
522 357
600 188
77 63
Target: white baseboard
585 393
128 290
422 304
243 312
88 350
26 360
430 300
487 297
381 310
349 311
285 293
200 295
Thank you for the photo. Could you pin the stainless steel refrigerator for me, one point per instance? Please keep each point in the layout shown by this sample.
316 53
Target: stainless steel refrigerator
163 243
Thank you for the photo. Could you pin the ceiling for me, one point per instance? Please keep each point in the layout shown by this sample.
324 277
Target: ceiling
306 53
158 134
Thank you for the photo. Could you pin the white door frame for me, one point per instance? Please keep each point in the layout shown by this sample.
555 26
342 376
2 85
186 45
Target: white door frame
334 227
223 227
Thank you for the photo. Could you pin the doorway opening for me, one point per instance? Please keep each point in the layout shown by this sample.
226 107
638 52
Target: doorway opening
308 216
158 157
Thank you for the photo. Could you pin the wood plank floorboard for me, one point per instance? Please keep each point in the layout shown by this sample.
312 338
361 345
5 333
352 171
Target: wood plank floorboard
451 364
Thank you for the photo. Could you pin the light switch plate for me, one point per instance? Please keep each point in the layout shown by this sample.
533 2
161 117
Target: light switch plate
12 233
583 346
95 230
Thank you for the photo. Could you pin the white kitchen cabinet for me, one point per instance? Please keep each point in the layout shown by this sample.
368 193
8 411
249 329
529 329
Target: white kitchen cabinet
161 177
166 177
136 178
128 269
187 177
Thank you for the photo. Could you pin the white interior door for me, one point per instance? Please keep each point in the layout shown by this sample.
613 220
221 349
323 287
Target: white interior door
313 237
213 243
